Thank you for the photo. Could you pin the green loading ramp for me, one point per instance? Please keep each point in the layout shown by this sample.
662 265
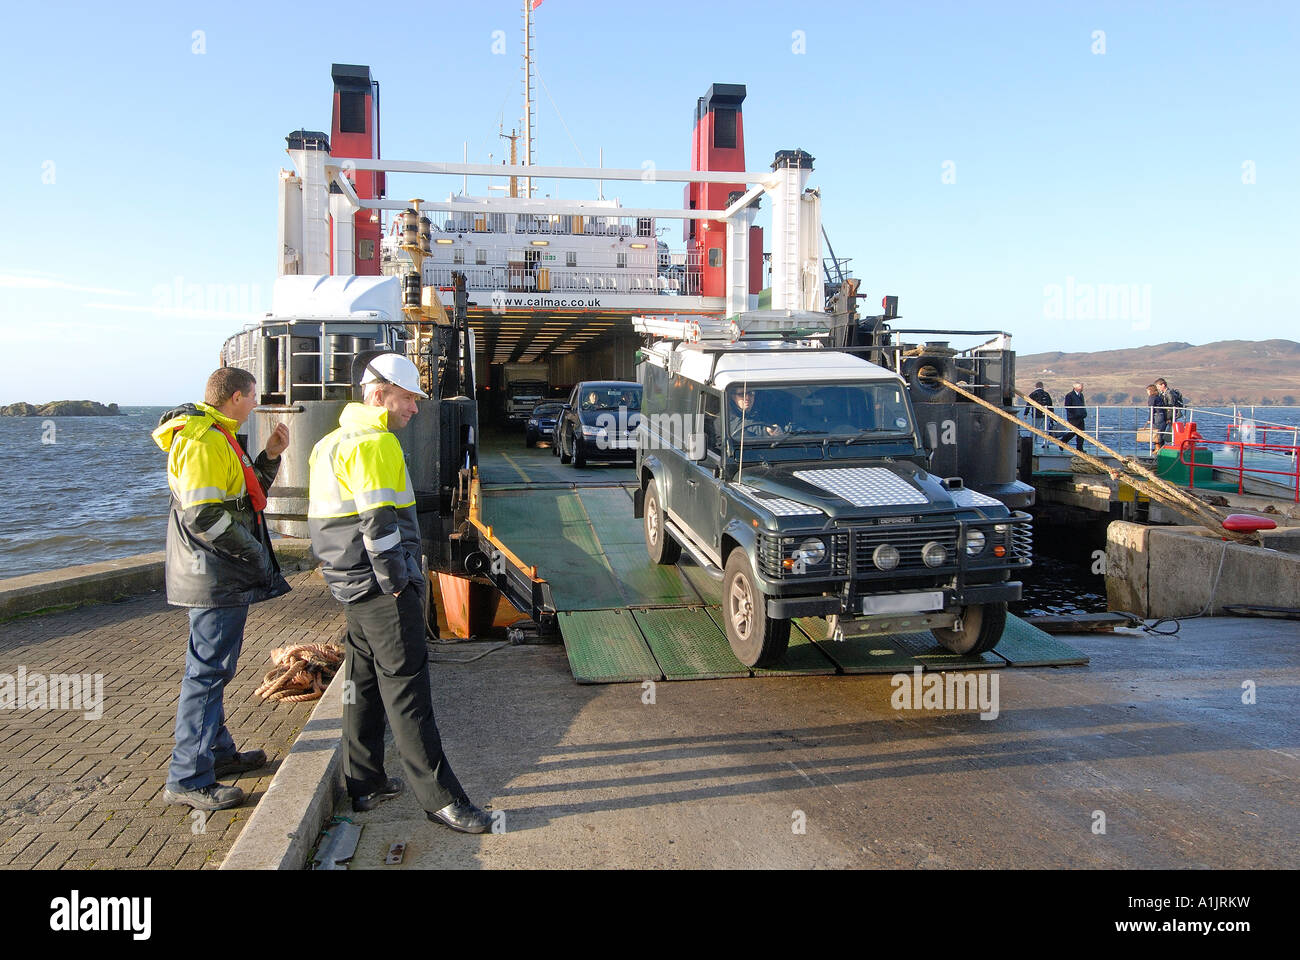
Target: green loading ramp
625 619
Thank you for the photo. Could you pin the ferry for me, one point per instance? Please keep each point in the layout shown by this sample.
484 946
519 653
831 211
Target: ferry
471 287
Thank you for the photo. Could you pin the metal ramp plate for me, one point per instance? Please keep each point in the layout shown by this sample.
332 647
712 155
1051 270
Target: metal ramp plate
550 528
643 582
688 644
605 646
610 511
1024 645
927 651
858 654
587 545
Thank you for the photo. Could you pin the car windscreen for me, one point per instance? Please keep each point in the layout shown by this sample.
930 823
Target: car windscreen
547 409
609 398
813 411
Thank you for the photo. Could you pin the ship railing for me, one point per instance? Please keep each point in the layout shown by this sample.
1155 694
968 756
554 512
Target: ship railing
505 279
1128 428
617 256
1272 451
479 221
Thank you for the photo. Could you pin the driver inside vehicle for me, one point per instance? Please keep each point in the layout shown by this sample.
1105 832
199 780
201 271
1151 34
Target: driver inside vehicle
752 417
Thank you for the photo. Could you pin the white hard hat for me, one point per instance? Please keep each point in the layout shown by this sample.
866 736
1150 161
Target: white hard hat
395 369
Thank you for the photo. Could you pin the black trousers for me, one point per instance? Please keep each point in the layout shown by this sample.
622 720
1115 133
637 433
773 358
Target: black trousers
388 664
1078 440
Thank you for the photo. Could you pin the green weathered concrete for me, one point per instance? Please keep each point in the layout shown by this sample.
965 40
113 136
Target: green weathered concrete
111 580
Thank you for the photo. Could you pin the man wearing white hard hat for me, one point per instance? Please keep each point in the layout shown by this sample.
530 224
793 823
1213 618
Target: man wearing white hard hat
363 525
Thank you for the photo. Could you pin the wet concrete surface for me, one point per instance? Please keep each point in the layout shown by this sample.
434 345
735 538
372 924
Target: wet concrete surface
1153 737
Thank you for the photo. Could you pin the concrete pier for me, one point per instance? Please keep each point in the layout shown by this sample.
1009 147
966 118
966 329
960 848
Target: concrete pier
1149 758
1185 571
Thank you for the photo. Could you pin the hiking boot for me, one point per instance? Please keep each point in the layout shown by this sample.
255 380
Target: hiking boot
463 816
215 796
239 763
392 788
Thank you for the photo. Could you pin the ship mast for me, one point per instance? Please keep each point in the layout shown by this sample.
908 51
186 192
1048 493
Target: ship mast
513 137
528 92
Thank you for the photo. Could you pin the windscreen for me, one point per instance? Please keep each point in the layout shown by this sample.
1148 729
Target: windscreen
817 410
602 397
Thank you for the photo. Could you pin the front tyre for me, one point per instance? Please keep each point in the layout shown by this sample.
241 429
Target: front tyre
579 459
659 543
756 639
564 457
982 627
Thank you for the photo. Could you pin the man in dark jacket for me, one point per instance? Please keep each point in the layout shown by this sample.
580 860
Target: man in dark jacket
1172 400
1076 412
219 560
1159 416
1037 419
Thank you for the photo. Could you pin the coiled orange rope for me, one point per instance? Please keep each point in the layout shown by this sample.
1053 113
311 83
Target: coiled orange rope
301 672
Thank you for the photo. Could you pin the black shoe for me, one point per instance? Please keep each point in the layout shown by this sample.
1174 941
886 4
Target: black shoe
239 763
391 789
215 796
463 816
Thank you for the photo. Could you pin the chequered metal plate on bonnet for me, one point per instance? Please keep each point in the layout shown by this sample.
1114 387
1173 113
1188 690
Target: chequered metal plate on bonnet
864 486
778 505
965 497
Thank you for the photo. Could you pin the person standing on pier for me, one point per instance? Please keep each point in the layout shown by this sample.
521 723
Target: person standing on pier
1171 399
363 524
1076 412
1159 416
1039 420
219 560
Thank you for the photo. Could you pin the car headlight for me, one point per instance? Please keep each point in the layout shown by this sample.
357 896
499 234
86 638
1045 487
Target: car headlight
591 431
811 551
885 557
934 554
1001 527
532 423
974 542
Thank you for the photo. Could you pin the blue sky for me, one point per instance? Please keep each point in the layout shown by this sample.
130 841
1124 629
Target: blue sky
134 163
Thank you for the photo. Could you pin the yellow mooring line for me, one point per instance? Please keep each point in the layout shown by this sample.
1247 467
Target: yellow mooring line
1134 474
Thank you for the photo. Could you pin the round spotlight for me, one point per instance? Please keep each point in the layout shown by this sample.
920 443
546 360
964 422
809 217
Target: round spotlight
934 554
885 557
974 542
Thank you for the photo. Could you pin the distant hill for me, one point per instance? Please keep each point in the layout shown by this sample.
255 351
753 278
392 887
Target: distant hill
1229 371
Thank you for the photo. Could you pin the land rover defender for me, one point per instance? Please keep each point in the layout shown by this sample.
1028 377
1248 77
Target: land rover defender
797 476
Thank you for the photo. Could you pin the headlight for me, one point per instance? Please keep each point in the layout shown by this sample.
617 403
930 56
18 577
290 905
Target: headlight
885 557
934 554
812 551
532 423
590 431
974 542
1001 527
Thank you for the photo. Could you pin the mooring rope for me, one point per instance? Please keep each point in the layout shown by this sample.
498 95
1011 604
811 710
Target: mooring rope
301 672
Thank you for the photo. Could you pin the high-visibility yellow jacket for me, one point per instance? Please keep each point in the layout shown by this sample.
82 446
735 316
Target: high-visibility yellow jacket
218 554
361 509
